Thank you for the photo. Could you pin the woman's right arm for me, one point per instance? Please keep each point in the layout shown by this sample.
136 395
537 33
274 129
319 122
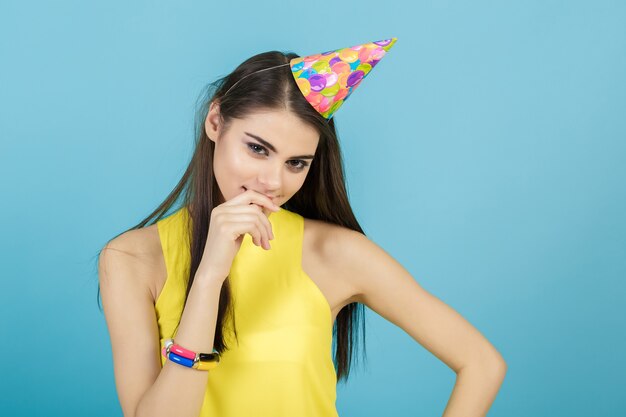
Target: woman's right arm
125 271
144 388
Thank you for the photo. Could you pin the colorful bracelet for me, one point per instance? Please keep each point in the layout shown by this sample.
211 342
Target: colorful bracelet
185 357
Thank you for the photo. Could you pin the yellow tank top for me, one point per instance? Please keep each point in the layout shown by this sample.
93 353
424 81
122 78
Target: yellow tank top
282 365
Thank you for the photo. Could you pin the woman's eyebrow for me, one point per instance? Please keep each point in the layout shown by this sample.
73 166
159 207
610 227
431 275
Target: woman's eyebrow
273 149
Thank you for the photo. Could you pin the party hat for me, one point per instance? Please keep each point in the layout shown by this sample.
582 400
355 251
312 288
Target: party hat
326 80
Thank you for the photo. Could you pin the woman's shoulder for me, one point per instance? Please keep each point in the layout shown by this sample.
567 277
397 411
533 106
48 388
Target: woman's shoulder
326 252
328 233
142 244
139 251
328 241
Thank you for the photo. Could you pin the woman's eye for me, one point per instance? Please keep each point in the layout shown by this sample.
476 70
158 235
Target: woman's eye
260 150
301 164
254 146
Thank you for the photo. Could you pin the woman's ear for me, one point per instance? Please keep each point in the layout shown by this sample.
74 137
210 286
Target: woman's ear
212 121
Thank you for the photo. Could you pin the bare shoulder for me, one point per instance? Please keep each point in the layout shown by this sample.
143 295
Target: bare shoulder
139 252
329 245
324 235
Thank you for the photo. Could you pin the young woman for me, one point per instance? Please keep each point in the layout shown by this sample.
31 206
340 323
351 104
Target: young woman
229 306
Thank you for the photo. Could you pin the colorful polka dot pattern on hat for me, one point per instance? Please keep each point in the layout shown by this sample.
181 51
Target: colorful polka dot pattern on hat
326 80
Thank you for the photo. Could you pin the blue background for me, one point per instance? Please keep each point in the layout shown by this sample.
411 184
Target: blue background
486 153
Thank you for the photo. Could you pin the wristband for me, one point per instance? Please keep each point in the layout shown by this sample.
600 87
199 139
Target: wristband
185 357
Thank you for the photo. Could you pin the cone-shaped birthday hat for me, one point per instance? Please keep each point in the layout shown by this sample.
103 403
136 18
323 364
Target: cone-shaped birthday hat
326 80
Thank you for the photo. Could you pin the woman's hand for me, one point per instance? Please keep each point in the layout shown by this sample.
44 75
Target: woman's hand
246 213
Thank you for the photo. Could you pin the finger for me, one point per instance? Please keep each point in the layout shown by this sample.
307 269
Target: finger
257 210
255 218
264 214
251 196
250 227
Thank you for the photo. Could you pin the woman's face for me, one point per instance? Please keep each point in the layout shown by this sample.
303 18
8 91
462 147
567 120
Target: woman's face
244 158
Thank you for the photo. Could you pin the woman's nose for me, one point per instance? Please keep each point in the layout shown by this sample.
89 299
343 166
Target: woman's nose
270 177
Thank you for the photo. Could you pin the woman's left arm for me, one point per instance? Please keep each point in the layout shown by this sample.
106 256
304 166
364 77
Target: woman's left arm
386 287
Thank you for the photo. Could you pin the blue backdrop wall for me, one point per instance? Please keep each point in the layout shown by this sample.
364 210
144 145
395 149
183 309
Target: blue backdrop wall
486 153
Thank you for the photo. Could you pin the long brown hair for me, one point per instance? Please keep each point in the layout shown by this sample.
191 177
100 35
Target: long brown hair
323 195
